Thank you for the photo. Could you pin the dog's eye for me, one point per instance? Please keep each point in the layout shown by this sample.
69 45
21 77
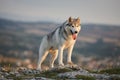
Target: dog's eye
72 26
68 24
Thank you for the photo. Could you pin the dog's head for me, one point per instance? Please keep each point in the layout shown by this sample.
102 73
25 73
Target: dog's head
73 27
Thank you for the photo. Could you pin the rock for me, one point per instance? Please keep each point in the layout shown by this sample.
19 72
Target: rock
28 72
21 69
83 72
42 78
55 73
11 73
36 72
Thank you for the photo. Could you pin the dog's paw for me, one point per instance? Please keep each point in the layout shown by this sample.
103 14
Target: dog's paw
71 64
51 66
61 65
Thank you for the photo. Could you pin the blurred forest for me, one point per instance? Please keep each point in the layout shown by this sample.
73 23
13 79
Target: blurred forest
97 46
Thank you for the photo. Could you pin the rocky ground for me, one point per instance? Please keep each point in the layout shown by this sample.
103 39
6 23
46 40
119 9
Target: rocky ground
56 73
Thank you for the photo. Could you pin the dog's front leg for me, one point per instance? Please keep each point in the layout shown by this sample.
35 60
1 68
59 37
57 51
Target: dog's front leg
69 54
60 57
69 61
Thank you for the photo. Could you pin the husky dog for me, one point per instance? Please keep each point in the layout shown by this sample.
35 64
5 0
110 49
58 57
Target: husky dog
63 37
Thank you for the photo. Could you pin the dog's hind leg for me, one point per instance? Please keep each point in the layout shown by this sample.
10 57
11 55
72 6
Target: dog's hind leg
54 57
43 52
41 59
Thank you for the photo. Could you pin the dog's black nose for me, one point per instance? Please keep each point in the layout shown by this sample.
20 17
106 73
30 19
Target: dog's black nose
76 32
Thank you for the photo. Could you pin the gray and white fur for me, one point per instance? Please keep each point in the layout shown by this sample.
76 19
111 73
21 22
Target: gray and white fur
63 37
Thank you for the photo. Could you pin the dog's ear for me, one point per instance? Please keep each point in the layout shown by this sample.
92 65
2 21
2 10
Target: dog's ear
70 19
78 20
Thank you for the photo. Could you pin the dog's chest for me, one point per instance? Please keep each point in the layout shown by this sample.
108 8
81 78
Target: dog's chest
68 43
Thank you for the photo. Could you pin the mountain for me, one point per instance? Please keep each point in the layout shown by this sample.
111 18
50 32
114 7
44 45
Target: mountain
22 39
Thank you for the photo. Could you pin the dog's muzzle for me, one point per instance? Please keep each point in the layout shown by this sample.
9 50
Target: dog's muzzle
74 34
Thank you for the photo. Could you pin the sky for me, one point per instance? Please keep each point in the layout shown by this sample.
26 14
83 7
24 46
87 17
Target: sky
89 11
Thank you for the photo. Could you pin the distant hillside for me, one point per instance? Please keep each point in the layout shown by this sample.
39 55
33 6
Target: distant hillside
22 39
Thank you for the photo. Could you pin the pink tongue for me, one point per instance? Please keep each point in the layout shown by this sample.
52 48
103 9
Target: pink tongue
74 36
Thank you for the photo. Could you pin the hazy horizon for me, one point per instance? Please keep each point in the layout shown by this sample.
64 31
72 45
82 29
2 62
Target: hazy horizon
89 11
